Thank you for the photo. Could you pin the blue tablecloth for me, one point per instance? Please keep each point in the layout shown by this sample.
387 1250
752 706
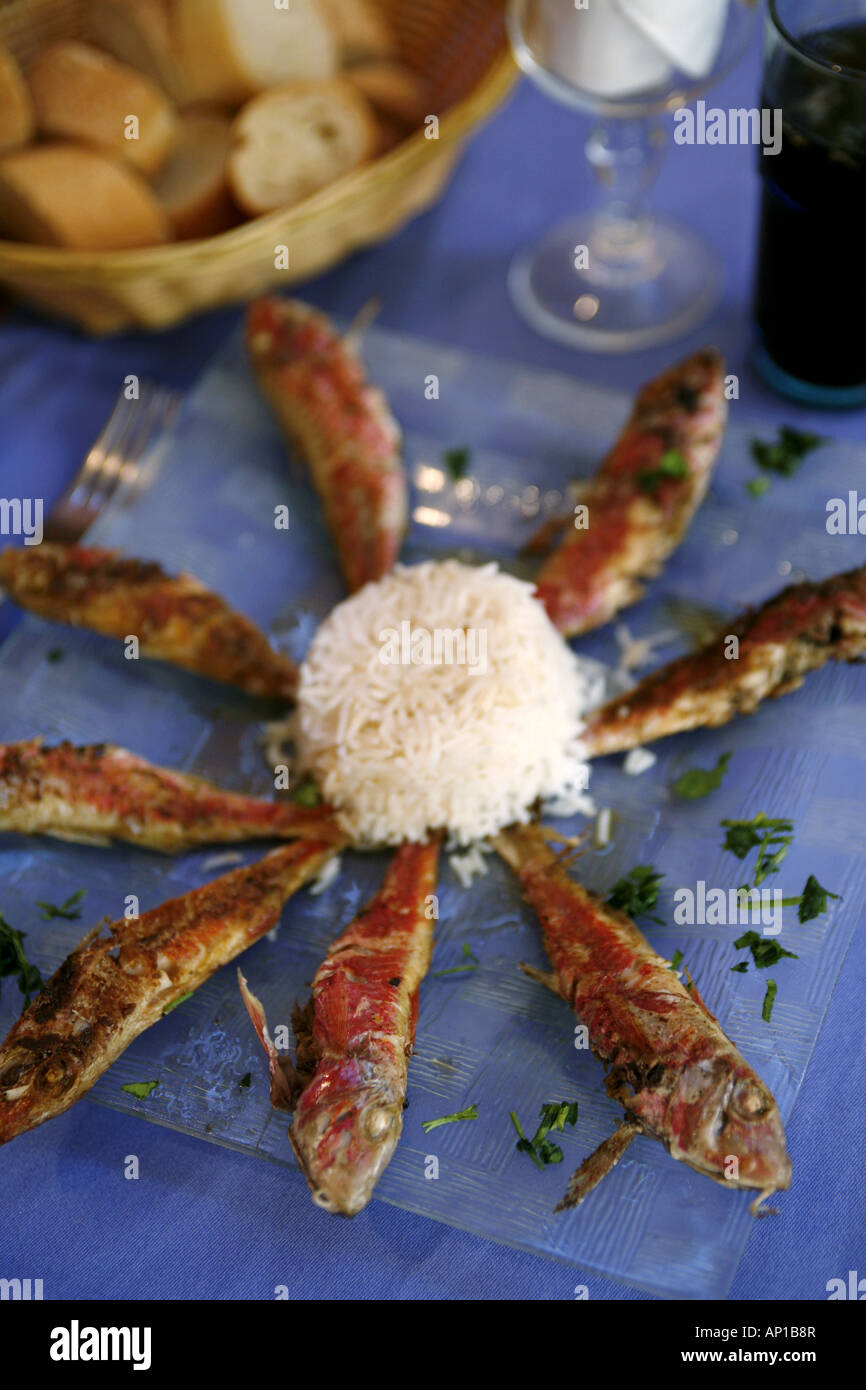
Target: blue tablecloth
202 1222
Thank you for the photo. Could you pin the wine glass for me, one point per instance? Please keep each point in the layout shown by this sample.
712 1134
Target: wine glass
620 277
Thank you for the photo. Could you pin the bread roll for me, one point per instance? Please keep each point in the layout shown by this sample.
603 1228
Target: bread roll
16 111
74 196
139 32
192 186
291 141
81 94
231 49
361 29
395 92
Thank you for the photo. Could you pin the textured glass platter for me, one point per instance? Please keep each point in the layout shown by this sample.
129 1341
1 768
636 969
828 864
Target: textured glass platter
491 1037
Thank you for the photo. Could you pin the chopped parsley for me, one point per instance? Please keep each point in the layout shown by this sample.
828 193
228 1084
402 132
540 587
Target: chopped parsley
470 1113
68 910
140 1089
765 950
180 1000
457 461
471 962
555 1115
637 892
307 794
13 961
246 1081
813 900
772 837
676 960
56 654
769 1000
670 465
758 486
785 454
699 781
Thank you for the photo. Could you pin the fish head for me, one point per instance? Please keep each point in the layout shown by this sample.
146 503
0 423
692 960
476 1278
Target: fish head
346 1127
37 1079
723 1120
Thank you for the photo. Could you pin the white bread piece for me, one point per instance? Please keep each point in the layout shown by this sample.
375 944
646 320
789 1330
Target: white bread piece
192 186
292 141
362 30
395 92
17 123
232 49
139 33
81 94
74 196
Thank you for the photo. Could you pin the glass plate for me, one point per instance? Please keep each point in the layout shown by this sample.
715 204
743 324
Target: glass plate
492 1037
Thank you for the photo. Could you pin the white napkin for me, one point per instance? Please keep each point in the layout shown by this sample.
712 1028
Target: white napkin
599 49
688 31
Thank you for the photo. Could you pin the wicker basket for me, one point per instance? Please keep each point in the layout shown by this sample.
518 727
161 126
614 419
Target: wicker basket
460 47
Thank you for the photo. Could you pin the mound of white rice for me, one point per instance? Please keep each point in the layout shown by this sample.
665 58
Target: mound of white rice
441 697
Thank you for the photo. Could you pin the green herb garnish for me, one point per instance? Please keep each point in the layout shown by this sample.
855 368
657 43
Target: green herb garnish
765 950
307 794
637 892
140 1089
784 455
457 461
773 838
470 1113
676 960
56 654
813 900
13 961
741 968
769 999
555 1115
66 910
246 1081
670 465
758 486
180 1000
471 963
698 781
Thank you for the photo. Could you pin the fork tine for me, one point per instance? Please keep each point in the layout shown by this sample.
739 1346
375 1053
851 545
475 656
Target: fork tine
160 408
112 434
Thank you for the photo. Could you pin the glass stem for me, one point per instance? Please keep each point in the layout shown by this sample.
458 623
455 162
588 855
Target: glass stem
626 156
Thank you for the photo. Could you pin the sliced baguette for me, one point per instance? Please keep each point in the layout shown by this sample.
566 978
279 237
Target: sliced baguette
17 124
74 196
232 49
192 186
361 29
292 141
395 92
81 94
139 32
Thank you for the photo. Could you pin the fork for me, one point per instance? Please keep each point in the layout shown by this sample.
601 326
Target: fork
112 468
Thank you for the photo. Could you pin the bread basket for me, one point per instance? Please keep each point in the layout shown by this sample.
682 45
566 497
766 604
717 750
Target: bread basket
459 46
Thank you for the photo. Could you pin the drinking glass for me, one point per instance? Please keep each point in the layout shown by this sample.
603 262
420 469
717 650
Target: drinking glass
810 294
618 277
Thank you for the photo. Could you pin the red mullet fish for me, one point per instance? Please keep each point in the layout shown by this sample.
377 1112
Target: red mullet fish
355 1037
677 1075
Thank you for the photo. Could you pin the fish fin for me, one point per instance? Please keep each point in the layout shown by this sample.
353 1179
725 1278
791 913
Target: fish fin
762 1197
542 977
695 994
599 1164
281 1071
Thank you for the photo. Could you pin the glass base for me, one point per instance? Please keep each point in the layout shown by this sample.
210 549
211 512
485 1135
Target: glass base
822 397
674 286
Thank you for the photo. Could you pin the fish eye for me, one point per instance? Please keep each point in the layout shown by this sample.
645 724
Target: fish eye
377 1122
56 1074
751 1101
